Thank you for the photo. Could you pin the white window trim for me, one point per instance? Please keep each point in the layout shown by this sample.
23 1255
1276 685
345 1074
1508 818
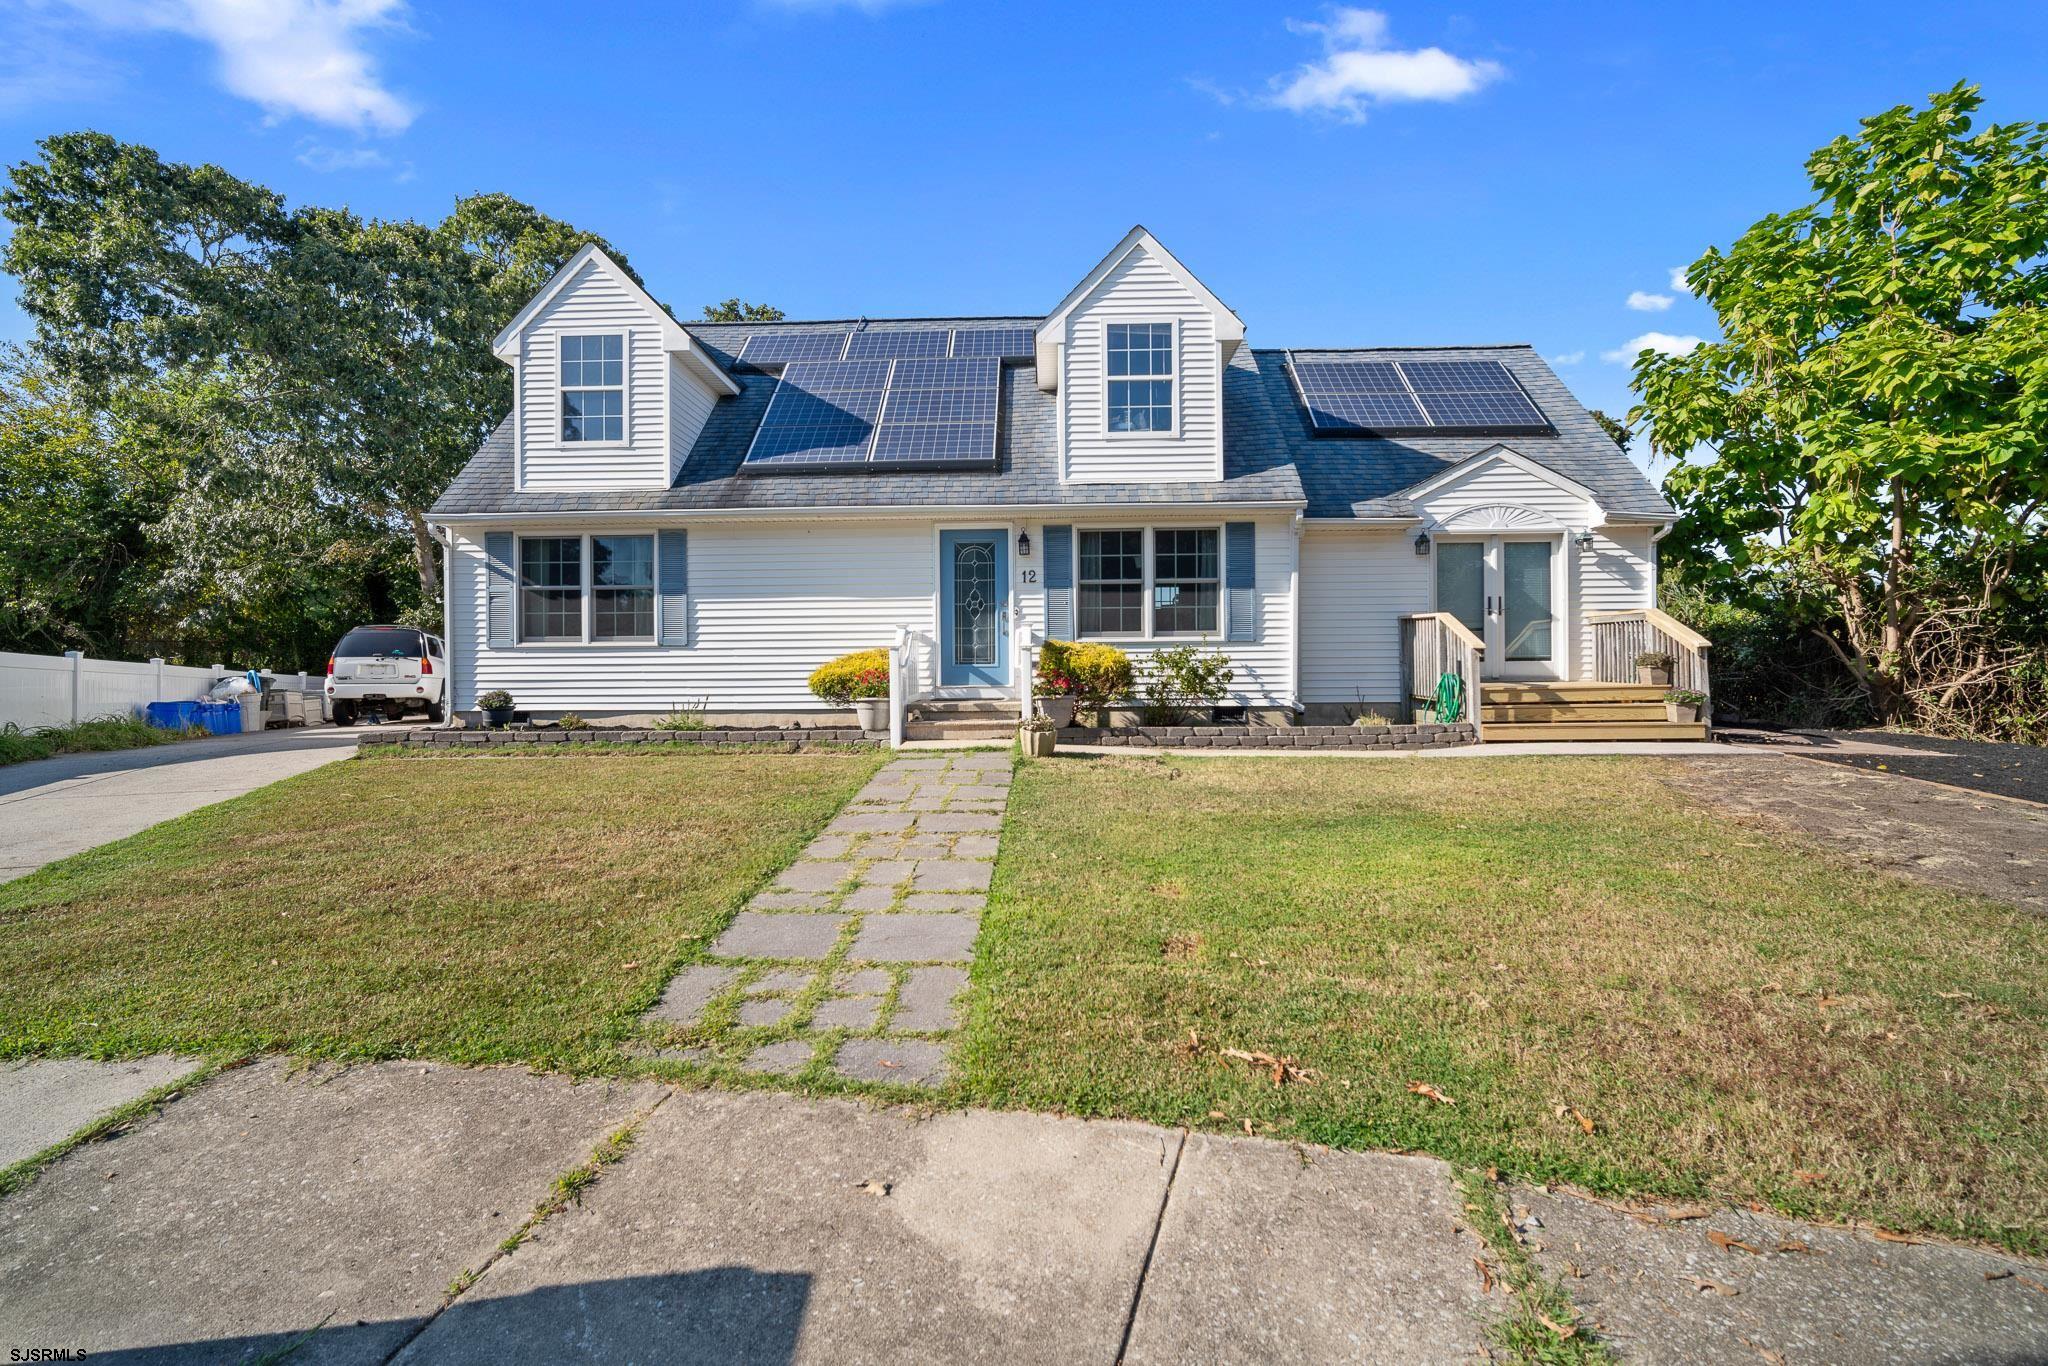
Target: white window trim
588 599
1149 579
1174 378
625 336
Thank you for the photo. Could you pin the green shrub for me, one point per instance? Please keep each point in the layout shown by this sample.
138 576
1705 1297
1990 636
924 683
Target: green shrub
1182 678
1655 659
1093 675
685 716
864 673
495 699
571 721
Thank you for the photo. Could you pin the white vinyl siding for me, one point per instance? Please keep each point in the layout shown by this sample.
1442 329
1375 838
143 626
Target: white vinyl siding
1141 289
595 302
689 407
768 604
1614 575
1355 587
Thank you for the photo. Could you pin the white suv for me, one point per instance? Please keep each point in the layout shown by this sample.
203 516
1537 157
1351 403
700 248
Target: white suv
393 668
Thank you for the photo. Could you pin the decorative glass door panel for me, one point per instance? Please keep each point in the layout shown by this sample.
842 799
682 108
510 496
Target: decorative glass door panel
1525 601
1461 582
973 609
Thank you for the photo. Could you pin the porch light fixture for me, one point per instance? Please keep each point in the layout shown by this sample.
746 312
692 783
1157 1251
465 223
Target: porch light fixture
1584 539
1023 545
1422 544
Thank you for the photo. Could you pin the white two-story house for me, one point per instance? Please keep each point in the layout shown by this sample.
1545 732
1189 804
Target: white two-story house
701 514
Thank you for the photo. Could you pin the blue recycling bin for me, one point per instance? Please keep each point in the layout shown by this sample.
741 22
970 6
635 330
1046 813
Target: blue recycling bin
171 715
221 718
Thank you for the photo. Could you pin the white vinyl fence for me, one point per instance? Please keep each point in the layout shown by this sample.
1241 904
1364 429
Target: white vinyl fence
58 690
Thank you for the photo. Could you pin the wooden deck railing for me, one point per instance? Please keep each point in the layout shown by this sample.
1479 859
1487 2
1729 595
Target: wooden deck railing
1434 644
1618 637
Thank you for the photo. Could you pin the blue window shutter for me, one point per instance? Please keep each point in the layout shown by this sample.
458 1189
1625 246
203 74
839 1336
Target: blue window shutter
499 585
1059 582
675 587
1240 552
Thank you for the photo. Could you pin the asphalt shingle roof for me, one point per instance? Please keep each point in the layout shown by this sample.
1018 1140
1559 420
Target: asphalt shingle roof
1269 456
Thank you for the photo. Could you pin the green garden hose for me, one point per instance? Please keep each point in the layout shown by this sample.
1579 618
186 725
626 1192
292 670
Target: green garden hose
1450 699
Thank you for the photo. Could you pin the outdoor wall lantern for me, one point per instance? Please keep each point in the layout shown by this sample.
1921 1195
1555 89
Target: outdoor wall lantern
1585 539
1023 545
1422 544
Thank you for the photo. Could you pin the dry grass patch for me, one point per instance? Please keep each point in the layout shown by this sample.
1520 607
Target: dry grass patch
511 910
1551 944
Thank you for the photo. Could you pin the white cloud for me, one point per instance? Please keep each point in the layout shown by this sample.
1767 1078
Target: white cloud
1678 280
324 158
1568 358
1359 69
292 57
1648 303
1662 342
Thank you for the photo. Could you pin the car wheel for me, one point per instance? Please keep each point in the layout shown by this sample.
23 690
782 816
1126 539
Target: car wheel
344 713
435 714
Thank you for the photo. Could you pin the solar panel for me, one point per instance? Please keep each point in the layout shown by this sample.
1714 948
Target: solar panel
1008 343
1351 397
890 345
1472 396
1356 396
783 348
918 413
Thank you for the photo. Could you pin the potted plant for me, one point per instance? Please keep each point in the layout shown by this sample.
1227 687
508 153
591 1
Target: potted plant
1093 676
1654 668
1037 737
861 679
496 706
1682 705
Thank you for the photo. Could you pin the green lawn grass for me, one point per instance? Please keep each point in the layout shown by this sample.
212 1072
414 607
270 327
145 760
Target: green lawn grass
1738 1017
516 910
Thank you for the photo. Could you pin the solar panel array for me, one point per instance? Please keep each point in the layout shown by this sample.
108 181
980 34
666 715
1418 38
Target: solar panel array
917 413
773 350
1358 397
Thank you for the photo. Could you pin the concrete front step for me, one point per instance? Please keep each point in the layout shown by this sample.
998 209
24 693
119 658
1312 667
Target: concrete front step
1594 730
959 730
946 709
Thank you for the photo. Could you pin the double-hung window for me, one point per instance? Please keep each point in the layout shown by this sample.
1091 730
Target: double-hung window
1140 362
1165 582
594 387
1112 583
598 589
1185 581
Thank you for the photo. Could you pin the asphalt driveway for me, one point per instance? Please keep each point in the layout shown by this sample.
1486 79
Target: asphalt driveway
53 808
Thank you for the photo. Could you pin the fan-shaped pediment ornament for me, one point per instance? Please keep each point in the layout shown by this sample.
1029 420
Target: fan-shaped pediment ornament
1500 517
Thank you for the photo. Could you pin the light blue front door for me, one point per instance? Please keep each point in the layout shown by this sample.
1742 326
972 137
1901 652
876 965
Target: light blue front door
974 602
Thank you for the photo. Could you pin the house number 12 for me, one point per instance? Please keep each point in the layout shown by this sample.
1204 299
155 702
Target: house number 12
1031 576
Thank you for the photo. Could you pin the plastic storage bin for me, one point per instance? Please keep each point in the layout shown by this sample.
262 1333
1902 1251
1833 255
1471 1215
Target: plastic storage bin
251 704
171 715
221 718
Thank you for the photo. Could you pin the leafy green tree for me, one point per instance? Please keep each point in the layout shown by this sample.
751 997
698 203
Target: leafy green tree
1617 431
735 311
1868 437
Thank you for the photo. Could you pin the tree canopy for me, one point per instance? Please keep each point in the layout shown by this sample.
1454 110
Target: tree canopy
1866 441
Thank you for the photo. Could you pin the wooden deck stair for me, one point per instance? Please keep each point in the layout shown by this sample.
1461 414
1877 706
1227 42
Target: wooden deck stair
1579 711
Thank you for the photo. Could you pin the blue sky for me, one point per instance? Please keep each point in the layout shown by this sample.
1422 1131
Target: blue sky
1404 174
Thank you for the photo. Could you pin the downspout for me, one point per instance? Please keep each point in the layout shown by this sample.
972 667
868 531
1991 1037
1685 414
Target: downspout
1294 620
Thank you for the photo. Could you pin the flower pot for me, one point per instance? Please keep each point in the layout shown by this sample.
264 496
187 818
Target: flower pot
1660 678
873 712
1680 714
498 716
1058 710
1037 743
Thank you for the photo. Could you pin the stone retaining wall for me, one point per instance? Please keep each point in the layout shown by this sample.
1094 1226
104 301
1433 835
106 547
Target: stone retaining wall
459 740
1273 737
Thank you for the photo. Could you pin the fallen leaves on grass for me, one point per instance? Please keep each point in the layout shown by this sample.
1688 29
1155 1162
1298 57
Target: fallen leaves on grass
1563 1331
1282 1070
1573 1112
1807 1178
1423 1088
1728 1243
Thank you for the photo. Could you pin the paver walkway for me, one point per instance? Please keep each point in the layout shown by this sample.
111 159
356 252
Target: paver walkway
852 963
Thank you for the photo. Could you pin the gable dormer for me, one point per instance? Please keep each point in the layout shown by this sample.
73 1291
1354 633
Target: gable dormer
611 392
1136 352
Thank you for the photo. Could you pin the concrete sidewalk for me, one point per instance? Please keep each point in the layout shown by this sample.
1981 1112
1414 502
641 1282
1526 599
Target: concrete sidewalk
53 808
359 1215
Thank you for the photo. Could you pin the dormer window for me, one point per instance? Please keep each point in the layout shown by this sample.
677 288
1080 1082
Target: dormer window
594 387
1140 359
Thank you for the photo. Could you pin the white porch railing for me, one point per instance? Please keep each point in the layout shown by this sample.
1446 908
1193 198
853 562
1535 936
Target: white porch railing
1434 644
1023 663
